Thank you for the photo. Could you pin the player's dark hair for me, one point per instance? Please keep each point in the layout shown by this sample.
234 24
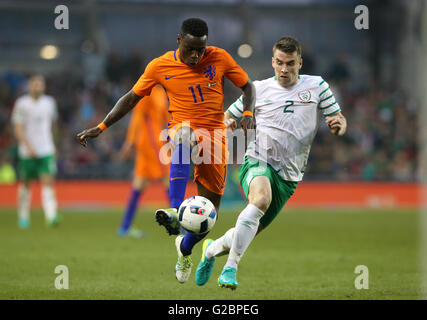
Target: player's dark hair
288 45
195 27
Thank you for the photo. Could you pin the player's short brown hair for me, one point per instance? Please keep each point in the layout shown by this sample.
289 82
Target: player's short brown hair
288 45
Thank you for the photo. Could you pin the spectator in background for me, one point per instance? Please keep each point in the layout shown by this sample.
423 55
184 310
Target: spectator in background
339 71
309 65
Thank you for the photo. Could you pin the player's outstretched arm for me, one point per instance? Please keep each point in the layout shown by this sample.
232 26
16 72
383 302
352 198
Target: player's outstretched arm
122 107
248 98
337 124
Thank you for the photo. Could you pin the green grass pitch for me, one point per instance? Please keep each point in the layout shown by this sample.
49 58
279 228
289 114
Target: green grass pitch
303 254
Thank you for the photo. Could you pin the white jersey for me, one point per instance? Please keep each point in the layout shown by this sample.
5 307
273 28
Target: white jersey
36 116
287 121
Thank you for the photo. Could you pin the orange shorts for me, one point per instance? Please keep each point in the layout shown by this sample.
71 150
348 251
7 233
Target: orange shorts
209 158
148 166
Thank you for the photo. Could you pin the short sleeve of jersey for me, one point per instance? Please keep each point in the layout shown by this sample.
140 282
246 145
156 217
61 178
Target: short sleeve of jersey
233 71
236 109
147 81
327 103
18 113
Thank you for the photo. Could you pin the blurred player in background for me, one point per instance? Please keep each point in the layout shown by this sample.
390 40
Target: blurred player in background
193 76
149 118
33 117
287 109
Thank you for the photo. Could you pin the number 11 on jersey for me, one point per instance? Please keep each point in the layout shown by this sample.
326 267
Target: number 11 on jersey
199 89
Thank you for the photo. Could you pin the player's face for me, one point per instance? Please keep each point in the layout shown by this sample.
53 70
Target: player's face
286 67
191 49
36 85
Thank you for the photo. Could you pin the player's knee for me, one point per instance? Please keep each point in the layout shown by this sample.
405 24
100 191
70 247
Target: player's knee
47 180
261 200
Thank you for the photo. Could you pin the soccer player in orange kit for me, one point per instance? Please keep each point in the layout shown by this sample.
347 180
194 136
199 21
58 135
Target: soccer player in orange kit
193 76
149 118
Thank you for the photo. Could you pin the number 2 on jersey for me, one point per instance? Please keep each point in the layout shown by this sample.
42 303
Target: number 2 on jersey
194 93
288 104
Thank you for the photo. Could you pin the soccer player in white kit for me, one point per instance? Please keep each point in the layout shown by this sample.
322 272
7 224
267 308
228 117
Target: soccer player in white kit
33 116
287 109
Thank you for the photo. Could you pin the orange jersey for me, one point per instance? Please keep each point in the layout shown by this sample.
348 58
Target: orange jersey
196 94
149 117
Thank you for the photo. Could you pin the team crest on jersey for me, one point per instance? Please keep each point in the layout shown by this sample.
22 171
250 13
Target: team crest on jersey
304 96
210 72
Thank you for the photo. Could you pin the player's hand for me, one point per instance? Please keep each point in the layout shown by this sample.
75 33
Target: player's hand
88 133
246 123
230 124
337 124
126 151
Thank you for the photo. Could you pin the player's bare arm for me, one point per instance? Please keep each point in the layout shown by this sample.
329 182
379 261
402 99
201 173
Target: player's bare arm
125 104
337 124
249 95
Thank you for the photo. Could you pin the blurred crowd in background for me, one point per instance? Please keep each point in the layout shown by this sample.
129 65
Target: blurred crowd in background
380 144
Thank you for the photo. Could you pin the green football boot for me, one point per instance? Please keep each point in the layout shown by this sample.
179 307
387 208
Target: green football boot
227 279
205 267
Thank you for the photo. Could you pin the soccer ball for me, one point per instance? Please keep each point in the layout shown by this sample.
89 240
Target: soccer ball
197 214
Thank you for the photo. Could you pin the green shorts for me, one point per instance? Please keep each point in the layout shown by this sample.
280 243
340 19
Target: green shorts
281 190
33 168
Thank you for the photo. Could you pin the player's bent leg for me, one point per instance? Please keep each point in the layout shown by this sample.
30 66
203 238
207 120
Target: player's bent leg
221 246
247 226
260 194
184 139
184 264
248 221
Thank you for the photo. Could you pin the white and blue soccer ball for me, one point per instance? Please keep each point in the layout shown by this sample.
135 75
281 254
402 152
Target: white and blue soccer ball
197 214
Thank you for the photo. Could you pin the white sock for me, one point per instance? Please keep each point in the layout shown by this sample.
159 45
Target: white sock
246 229
221 245
49 202
24 202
